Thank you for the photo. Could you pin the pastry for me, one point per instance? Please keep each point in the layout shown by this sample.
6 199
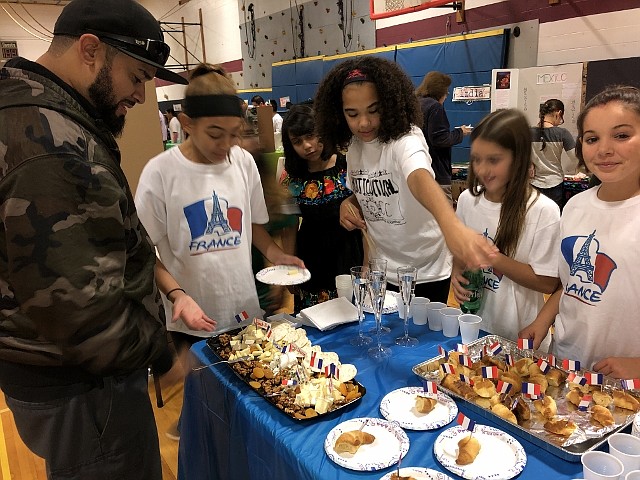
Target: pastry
601 398
555 377
350 442
560 427
468 449
487 402
534 369
425 404
541 380
625 400
522 411
504 412
484 387
395 476
574 396
602 415
489 360
521 367
513 379
451 382
546 406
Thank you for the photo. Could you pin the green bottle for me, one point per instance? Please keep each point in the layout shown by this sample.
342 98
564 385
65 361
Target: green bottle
476 286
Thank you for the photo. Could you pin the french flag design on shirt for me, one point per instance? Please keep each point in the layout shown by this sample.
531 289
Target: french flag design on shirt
590 269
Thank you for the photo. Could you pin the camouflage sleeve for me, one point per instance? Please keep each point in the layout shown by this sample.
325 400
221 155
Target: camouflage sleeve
79 269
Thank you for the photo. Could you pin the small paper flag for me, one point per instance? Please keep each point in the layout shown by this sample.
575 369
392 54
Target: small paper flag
442 351
594 378
584 403
544 366
632 384
508 358
466 379
495 348
573 378
503 387
466 361
551 359
430 388
530 389
490 372
289 382
525 343
242 316
466 422
573 365
462 348
448 368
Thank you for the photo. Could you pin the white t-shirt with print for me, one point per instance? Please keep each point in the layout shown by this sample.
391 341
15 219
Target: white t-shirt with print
404 232
199 217
507 306
175 127
600 255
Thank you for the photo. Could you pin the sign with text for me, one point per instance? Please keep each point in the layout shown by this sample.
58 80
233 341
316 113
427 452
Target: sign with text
471 94
9 49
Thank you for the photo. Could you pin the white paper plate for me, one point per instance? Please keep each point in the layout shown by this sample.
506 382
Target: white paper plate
419 473
399 406
501 456
390 304
280 275
391 443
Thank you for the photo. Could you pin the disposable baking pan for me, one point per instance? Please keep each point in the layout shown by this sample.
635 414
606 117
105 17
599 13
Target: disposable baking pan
571 452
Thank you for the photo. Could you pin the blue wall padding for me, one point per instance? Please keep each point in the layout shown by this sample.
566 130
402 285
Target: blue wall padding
308 72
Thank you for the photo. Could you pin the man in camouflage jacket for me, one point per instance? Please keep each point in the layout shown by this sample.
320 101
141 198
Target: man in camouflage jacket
80 315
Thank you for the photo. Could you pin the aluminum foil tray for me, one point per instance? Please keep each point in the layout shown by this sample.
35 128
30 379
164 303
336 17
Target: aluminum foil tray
586 437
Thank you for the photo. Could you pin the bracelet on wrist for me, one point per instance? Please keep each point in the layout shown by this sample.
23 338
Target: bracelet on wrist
174 290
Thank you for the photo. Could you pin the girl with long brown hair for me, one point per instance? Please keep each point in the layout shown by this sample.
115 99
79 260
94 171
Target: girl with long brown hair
523 224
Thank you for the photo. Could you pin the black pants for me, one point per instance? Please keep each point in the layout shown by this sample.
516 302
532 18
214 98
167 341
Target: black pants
435 291
554 193
107 433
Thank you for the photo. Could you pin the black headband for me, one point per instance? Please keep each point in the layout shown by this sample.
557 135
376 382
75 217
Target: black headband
354 76
213 106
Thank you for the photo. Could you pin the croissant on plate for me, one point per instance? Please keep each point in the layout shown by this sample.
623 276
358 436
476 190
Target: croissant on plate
425 404
468 449
350 442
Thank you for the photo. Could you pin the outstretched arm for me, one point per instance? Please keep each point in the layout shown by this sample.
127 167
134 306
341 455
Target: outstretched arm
472 249
539 328
270 249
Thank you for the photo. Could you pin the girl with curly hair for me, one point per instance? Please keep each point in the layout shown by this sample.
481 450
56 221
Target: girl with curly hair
367 105
316 179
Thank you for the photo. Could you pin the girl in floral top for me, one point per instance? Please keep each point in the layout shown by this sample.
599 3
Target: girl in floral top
317 183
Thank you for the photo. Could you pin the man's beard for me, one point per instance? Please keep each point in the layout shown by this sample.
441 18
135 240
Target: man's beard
103 98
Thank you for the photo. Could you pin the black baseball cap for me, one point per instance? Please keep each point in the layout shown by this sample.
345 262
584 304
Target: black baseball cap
123 24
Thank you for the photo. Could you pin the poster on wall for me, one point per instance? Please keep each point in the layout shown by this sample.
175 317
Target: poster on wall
505 88
562 82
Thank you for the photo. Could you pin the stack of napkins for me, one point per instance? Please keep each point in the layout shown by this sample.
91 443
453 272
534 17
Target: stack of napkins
329 314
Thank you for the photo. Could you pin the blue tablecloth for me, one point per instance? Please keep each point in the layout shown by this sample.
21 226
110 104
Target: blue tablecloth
229 432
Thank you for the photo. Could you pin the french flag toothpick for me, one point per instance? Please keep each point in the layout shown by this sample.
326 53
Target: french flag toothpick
551 360
463 348
503 387
430 388
531 389
594 378
289 382
584 403
442 351
490 372
572 365
544 366
448 368
465 422
573 378
466 379
466 361
242 316
508 358
525 343
631 384
495 348
316 361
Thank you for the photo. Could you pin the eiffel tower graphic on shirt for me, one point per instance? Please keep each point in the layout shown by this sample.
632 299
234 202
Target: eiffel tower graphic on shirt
583 259
217 218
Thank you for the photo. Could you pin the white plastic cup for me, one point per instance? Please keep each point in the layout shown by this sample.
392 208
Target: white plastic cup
633 475
625 448
433 315
601 466
469 327
419 310
344 286
450 321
